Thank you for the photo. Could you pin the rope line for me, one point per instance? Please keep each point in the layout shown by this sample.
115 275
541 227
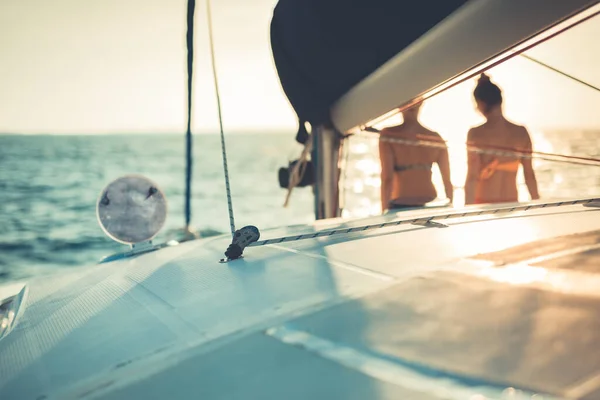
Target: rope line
298 170
223 149
421 220
498 151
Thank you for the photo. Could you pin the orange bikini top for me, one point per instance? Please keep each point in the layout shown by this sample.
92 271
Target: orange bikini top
489 170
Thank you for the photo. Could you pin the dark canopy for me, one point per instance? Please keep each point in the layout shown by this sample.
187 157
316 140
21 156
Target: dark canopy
322 48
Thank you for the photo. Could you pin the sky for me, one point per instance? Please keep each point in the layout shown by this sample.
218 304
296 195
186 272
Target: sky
118 66
91 66
535 95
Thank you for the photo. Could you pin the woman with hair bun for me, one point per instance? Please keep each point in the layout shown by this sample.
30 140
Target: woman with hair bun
491 178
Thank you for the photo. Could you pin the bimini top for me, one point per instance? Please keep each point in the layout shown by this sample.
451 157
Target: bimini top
350 62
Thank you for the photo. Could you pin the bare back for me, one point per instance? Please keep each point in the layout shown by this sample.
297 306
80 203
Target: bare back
408 167
496 175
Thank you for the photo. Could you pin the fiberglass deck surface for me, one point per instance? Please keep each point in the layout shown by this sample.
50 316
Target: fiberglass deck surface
408 312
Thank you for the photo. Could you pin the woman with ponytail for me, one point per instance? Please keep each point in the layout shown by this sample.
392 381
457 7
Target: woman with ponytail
490 178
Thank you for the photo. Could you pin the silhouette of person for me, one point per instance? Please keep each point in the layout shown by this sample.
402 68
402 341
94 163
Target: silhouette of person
493 178
406 168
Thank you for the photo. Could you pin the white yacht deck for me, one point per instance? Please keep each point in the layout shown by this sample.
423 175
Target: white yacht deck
487 303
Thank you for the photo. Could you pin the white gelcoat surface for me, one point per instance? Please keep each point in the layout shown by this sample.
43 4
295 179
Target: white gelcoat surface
140 327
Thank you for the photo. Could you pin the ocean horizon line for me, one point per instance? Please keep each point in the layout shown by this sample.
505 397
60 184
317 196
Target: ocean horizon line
269 131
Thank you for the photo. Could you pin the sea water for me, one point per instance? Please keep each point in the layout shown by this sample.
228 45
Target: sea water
49 186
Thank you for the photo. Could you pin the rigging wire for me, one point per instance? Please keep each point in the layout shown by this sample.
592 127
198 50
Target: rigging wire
560 72
422 220
493 150
504 151
490 150
191 5
223 149
425 220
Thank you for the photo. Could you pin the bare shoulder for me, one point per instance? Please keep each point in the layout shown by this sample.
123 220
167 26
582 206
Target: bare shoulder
432 136
520 135
385 134
475 132
430 132
516 127
391 130
388 131
478 129
520 131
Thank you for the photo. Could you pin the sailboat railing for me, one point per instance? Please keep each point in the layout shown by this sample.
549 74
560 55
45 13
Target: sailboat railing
428 221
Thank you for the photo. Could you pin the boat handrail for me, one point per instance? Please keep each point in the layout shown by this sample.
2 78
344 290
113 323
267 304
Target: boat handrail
427 220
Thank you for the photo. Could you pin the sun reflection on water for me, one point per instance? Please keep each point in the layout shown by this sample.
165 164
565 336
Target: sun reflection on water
555 180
